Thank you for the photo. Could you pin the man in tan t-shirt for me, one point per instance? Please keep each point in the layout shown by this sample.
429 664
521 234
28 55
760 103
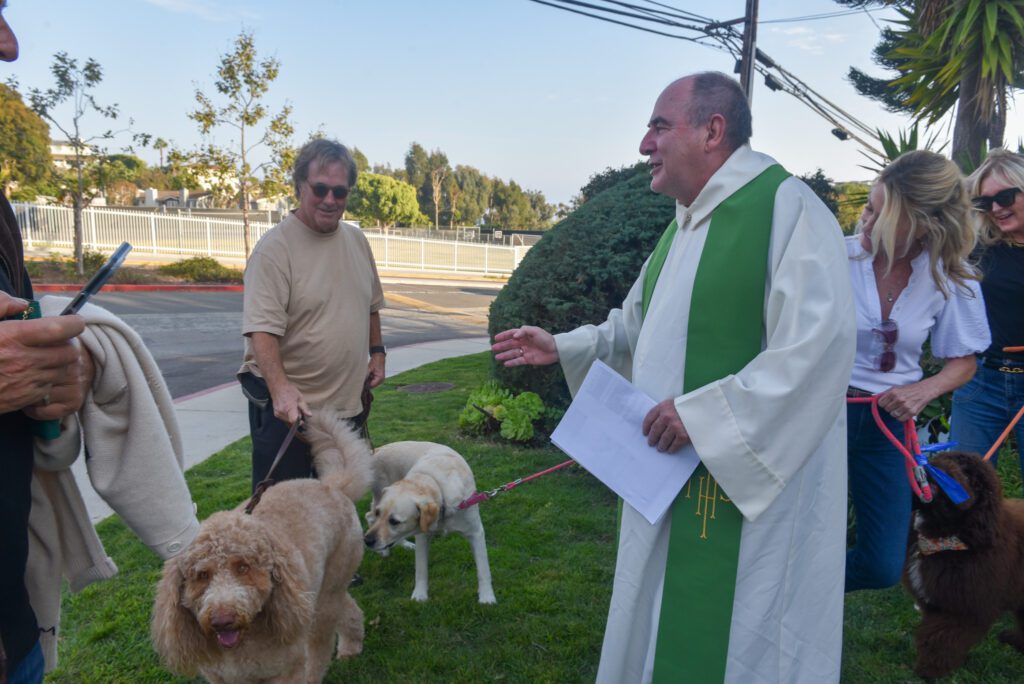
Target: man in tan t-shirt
311 313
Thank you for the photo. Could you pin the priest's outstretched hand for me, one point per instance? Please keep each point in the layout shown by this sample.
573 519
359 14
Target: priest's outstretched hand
525 346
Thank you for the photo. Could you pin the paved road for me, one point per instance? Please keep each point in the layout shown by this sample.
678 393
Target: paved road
194 336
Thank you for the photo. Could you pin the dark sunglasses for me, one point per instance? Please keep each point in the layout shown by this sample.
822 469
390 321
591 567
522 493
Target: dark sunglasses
340 192
1003 198
888 333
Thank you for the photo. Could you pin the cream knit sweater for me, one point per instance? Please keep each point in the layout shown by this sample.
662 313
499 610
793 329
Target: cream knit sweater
134 461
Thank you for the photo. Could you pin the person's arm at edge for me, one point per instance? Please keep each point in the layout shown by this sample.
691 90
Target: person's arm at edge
289 404
906 401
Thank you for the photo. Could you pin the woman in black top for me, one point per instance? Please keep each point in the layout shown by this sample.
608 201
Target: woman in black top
985 406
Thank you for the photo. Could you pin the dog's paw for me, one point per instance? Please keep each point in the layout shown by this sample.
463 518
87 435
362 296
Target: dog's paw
487 595
1013 637
406 544
419 595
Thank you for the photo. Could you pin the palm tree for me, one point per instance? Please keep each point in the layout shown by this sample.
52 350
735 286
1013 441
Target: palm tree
966 54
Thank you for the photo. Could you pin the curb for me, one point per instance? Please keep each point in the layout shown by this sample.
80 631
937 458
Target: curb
163 287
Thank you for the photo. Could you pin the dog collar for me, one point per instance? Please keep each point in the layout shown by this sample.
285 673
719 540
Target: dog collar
927 545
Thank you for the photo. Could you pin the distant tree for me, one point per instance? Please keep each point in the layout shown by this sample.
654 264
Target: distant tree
362 163
417 172
384 200
823 188
544 212
160 145
469 193
437 163
121 193
74 84
852 197
24 143
510 207
243 80
386 170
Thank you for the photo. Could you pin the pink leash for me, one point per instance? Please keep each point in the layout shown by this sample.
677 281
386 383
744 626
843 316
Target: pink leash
910 448
480 497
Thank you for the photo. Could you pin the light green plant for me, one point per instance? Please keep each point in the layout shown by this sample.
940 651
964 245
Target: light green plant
492 408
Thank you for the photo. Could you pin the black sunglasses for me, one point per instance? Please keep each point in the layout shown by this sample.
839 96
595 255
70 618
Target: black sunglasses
340 192
1003 198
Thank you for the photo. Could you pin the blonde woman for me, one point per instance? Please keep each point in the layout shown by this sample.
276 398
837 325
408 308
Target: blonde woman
911 283
984 407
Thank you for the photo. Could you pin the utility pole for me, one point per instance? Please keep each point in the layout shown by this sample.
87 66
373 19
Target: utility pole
749 52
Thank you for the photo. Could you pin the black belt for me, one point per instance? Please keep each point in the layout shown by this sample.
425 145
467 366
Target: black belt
852 391
1003 364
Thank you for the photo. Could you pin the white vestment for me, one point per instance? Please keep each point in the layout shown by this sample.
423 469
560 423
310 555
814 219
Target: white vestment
772 435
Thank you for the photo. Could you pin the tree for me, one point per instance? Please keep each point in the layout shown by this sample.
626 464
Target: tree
160 145
75 84
384 200
510 207
823 188
962 54
438 170
243 80
362 163
24 143
417 169
469 193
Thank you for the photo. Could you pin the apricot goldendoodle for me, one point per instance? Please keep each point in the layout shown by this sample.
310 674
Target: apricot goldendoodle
262 597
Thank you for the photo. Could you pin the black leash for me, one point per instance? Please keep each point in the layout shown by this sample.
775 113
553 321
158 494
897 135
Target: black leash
268 480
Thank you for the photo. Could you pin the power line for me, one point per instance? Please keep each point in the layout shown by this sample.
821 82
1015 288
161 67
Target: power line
727 39
813 17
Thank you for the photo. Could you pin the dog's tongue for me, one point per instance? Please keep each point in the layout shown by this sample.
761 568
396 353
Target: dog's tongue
228 639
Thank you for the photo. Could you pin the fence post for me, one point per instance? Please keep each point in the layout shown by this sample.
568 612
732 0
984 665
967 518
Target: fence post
92 225
456 256
152 230
209 239
423 254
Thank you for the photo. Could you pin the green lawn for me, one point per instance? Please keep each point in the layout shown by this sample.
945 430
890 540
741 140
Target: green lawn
551 547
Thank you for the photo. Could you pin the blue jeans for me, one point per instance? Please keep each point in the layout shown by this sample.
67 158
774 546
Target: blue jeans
881 501
30 669
984 407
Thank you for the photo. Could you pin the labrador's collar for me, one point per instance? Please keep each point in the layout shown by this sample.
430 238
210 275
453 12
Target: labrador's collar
929 545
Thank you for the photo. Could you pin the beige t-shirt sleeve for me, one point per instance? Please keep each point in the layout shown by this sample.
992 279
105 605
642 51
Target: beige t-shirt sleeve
265 298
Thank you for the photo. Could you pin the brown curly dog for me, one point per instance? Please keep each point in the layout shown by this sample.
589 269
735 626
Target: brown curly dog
261 597
965 566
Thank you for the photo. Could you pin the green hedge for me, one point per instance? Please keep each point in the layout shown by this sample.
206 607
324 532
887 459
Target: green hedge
581 269
201 269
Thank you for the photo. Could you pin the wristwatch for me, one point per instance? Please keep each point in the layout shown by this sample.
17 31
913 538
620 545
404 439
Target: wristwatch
379 349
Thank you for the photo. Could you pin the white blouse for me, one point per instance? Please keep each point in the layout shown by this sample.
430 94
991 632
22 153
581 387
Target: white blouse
957 325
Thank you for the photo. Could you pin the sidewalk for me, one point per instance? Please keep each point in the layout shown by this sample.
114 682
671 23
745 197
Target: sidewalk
212 419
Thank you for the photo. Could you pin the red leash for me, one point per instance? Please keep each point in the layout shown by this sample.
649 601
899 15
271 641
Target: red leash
910 448
480 497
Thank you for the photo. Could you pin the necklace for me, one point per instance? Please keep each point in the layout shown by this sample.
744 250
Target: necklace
888 297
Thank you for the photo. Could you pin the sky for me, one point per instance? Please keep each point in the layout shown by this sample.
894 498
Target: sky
516 89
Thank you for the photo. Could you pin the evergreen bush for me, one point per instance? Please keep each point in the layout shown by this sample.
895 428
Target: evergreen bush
580 270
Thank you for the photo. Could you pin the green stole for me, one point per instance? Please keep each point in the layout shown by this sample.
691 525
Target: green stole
724 334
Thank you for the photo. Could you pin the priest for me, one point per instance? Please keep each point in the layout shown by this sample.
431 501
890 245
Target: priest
741 326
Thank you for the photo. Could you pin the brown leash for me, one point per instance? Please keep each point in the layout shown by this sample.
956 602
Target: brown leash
268 480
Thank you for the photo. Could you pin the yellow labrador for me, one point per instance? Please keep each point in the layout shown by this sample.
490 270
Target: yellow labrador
417 487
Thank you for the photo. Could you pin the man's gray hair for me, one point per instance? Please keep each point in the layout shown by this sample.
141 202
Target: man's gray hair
323 152
715 93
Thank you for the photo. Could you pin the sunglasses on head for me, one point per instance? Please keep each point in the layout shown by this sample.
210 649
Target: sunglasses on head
1003 198
340 192
888 333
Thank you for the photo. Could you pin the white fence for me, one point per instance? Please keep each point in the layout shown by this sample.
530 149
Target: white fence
52 227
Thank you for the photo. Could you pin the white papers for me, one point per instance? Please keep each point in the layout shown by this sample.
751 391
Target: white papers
603 432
